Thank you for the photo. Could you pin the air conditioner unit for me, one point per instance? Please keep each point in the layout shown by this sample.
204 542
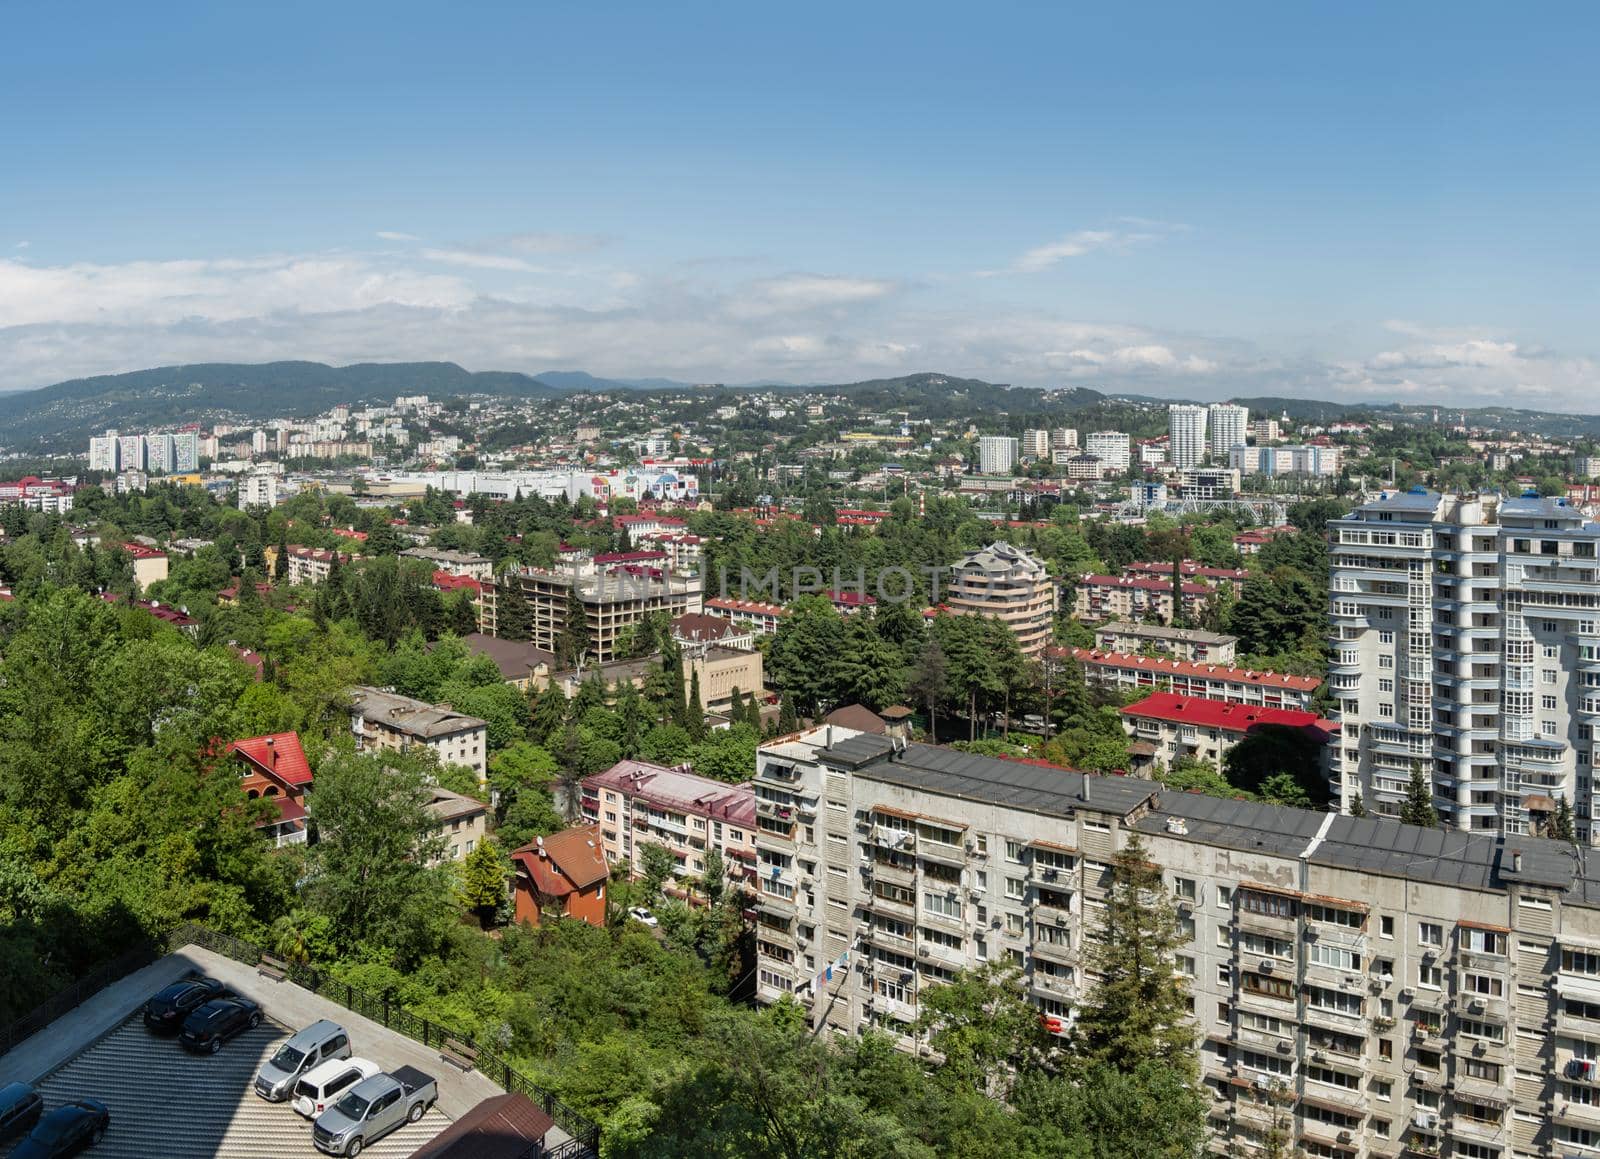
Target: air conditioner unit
1406 994
1346 1137
1478 1048
1262 1081
1265 967
995 923
1427 1120
1319 1056
1475 1006
924 952
1061 919
1285 1047
1386 979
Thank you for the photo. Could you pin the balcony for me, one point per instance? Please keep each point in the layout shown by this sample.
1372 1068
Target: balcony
1425 1037
1054 985
942 955
1054 951
893 874
941 853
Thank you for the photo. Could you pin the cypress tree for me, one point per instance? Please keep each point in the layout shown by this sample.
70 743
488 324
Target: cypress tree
736 709
694 713
1418 808
1358 807
1561 827
786 718
1138 1013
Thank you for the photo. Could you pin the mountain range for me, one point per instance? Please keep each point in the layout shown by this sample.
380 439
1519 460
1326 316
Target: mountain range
62 416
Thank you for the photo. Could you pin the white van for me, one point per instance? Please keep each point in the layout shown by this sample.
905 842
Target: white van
323 1083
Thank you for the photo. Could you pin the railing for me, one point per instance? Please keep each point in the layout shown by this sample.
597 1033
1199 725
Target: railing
73 995
494 1066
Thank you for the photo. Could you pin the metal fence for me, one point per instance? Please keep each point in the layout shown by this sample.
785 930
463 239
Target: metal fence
72 996
585 1133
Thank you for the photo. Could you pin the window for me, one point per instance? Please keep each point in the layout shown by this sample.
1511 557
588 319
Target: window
1430 933
1013 923
1013 850
1337 957
1547 703
1429 977
1547 675
1015 888
1266 946
1386 927
1184 887
942 904
1279 988
1224 897
1483 941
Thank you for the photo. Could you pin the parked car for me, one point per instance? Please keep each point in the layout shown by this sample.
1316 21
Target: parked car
643 916
371 1109
209 1026
306 1048
166 1011
66 1131
20 1108
325 1082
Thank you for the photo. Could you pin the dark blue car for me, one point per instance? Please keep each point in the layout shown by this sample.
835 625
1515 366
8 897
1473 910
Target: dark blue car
66 1131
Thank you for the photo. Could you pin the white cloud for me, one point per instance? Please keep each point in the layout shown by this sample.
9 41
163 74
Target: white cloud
1085 241
62 321
395 235
475 260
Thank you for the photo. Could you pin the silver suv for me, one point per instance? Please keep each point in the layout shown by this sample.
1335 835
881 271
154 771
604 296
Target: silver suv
317 1043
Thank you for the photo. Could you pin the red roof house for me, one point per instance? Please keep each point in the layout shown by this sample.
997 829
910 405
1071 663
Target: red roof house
565 871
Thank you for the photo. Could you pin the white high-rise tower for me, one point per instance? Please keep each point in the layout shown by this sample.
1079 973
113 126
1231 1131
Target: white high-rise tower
1186 431
1229 425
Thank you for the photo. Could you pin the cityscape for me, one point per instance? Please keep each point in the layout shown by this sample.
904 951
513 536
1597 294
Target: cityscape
881 584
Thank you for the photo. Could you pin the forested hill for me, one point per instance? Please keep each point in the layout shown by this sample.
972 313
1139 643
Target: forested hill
175 394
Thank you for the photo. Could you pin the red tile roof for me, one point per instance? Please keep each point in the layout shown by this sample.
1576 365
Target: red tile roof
1199 710
140 551
1165 667
1190 567
279 754
676 789
564 862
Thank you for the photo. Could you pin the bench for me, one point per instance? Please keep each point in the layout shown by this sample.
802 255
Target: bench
275 968
461 1055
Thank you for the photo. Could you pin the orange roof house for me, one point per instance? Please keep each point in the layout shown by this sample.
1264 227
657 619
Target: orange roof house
275 768
566 872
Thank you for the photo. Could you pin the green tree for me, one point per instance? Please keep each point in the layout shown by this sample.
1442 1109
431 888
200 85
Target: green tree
1561 827
485 874
374 870
1138 1010
985 1027
694 719
1417 809
656 867
1358 807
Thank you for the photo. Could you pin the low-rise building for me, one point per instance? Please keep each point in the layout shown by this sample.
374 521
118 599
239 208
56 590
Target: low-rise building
310 565
635 803
1215 577
1199 729
1179 643
565 874
478 567
701 628
1100 597
1221 682
761 618
460 820
519 662
274 768
720 670
149 564
387 720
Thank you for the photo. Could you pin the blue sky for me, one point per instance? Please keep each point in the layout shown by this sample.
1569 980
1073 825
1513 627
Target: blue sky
1394 202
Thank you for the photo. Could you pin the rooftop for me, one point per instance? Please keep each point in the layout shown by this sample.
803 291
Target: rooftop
679 789
1157 632
414 717
1209 713
1169 667
563 862
514 658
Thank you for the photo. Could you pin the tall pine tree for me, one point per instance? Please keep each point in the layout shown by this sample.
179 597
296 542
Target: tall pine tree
1139 1011
1418 807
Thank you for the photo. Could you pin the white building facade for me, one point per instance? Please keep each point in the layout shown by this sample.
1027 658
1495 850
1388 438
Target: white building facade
1186 435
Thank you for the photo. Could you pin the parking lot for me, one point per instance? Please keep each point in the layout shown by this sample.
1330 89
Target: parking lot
169 1104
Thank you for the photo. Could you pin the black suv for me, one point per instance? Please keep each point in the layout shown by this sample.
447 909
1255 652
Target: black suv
217 1021
166 1011
20 1108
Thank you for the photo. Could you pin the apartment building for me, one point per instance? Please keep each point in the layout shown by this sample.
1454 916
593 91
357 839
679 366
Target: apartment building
1196 728
387 720
1036 444
462 822
1126 670
1207 483
1113 448
309 565
1288 460
1186 435
615 593
1228 425
1012 586
1234 577
1190 644
1100 597
997 454
635 803
149 564
759 617
1370 990
720 670
470 564
1466 639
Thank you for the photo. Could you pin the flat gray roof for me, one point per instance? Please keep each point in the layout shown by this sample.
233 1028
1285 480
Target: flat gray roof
1048 790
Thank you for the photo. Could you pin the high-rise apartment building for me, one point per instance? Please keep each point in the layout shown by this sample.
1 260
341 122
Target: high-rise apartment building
1063 438
1466 642
1186 435
258 489
160 453
997 454
1113 448
1364 988
1012 586
186 451
1036 444
130 453
614 598
1229 424
1266 430
103 453
1288 460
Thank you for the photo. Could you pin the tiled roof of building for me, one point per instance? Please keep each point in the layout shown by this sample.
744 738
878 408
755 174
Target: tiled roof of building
448 806
279 754
682 791
1208 713
564 862
699 626
1162 666
855 716
754 607
515 658
1190 567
